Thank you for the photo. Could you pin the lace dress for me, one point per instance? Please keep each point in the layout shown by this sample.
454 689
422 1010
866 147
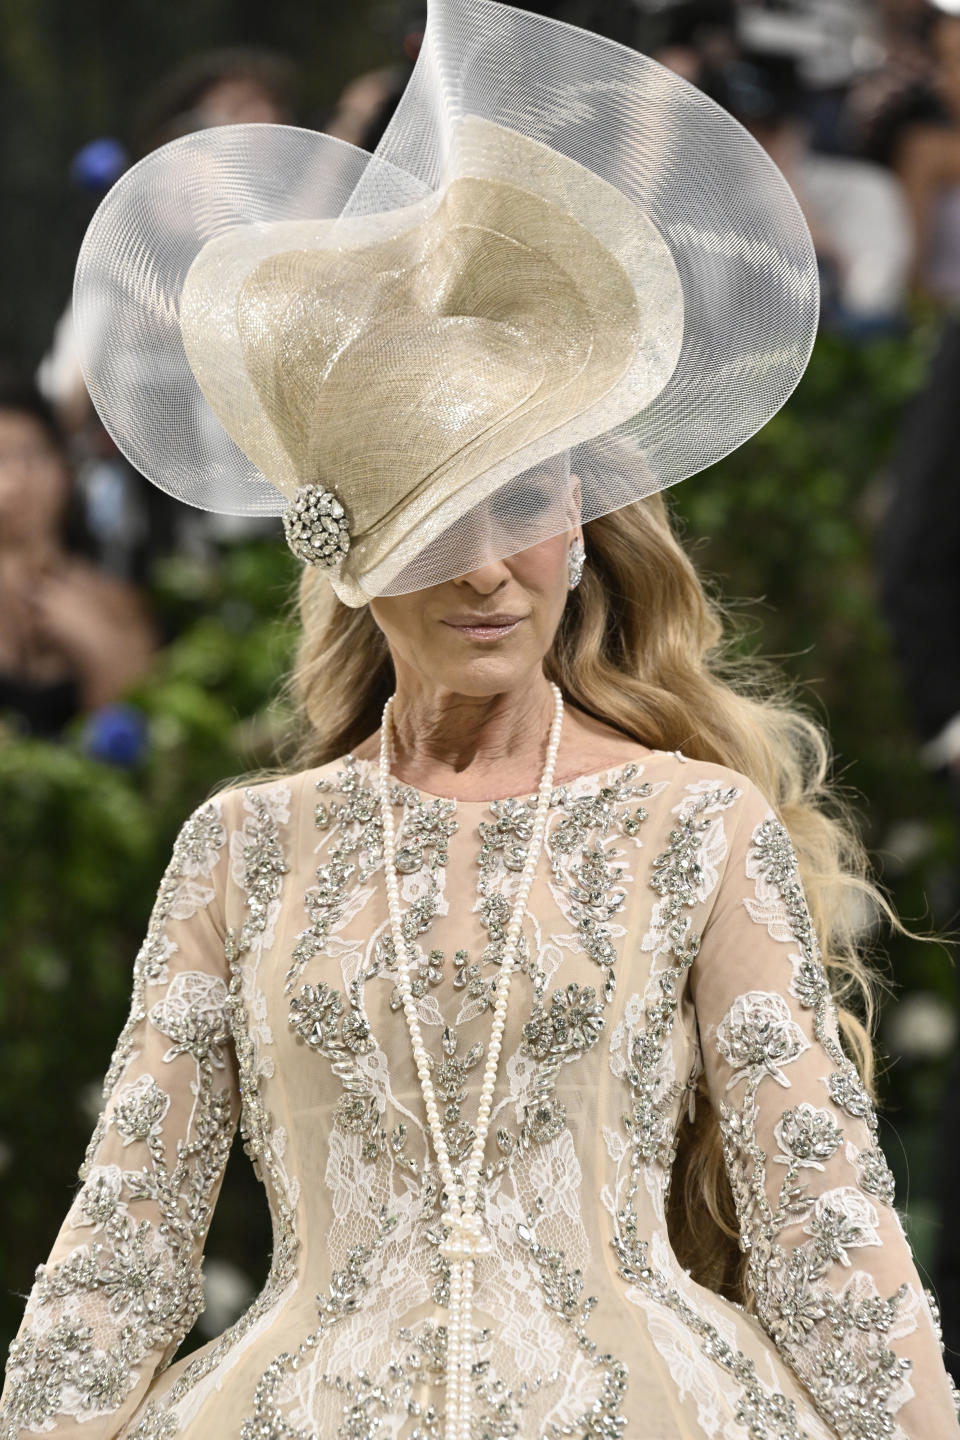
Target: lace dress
666 932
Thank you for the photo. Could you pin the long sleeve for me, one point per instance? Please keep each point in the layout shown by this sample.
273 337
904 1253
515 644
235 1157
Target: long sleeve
123 1283
831 1273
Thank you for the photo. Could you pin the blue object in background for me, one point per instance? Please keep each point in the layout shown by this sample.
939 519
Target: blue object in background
116 735
99 164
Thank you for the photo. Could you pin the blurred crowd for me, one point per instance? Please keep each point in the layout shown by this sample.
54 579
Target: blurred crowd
857 101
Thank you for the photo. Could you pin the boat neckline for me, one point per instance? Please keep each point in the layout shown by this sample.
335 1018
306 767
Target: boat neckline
604 770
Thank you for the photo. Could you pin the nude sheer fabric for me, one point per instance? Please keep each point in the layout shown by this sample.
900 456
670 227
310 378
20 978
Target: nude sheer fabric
665 932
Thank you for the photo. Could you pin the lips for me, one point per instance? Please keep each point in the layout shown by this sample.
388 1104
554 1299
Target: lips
485 627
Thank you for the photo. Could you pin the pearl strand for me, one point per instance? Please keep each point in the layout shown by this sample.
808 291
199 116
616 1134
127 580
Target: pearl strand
466 1238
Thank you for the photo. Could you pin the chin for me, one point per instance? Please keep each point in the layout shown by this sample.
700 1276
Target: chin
480 675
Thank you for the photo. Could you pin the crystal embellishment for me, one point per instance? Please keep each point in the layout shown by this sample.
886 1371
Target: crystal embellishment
316 526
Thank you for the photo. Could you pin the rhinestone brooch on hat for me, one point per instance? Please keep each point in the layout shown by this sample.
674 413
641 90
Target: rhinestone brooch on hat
316 526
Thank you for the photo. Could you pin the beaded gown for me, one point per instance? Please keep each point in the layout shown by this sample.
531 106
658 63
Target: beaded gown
666 935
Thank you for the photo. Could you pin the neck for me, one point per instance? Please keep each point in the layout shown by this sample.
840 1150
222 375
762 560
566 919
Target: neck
438 733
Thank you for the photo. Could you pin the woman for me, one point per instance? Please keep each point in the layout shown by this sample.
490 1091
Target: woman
71 639
927 161
466 974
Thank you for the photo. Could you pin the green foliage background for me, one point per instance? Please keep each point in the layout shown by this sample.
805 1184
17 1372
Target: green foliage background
785 525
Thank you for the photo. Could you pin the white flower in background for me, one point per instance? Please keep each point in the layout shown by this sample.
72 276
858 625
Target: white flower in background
227 1293
90 1100
921 1027
906 843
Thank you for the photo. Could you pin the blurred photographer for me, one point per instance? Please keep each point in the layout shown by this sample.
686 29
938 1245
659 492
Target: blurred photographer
71 638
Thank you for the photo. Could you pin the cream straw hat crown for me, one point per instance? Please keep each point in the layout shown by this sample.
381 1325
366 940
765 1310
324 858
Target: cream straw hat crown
560 257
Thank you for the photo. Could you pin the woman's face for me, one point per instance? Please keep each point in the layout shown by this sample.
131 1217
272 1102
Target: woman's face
484 632
34 482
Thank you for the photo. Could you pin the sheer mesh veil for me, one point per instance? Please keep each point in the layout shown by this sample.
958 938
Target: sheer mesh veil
560 258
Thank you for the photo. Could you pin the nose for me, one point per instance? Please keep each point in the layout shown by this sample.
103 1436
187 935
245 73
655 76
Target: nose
486 578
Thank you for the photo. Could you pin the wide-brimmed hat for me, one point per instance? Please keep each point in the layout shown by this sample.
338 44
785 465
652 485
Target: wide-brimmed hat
561 259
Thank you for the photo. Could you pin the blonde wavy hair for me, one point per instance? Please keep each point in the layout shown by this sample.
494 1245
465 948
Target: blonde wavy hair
643 647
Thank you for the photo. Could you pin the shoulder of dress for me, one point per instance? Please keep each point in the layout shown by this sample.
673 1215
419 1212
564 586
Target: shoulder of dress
685 773
342 777
689 791
273 795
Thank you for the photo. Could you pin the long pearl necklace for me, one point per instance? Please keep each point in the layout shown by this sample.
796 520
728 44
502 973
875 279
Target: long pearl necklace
466 1239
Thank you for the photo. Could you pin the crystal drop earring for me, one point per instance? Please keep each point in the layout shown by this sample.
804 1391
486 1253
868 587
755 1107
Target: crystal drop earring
576 559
